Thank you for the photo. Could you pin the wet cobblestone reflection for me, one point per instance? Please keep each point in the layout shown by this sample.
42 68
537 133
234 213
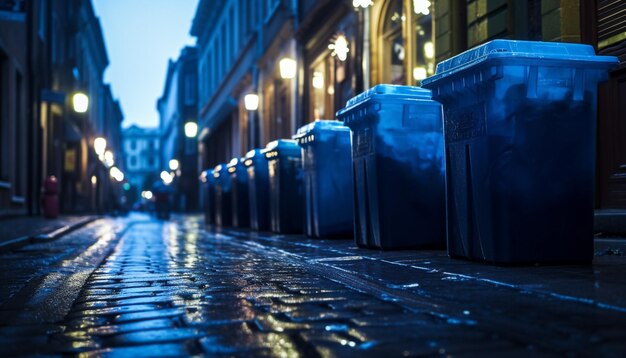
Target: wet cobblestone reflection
172 288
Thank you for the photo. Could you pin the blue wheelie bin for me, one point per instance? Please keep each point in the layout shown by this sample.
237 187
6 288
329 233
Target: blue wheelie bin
520 121
259 188
398 167
223 201
208 182
284 163
327 166
239 193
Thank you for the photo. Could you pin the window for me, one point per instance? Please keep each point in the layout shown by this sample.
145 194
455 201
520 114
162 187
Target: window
133 144
322 87
151 162
133 161
393 44
190 89
424 61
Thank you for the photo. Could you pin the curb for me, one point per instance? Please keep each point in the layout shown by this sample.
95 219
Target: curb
610 221
45 237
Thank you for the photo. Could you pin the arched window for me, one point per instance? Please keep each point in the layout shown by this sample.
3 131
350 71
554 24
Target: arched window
424 49
393 46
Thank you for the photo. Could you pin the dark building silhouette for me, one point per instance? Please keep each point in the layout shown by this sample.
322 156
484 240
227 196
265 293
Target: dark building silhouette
178 109
49 51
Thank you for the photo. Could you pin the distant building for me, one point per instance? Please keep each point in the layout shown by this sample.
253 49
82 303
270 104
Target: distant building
142 158
178 107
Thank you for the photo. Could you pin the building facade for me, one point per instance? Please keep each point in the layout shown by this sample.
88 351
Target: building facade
49 51
178 109
14 123
142 159
339 48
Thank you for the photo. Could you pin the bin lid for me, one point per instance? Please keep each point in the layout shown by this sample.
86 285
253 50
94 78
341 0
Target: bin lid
388 92
253 155
219 170
379 91
232 165
319 124
207 176
305 134
566 53
280 147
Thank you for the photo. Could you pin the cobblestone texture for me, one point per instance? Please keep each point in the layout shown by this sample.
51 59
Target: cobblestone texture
172 288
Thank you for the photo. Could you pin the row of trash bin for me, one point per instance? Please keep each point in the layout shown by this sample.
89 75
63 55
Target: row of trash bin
495 152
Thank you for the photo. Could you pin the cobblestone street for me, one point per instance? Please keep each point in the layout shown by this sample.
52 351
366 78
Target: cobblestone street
141 287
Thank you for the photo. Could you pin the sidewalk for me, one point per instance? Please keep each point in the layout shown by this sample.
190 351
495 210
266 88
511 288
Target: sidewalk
17 231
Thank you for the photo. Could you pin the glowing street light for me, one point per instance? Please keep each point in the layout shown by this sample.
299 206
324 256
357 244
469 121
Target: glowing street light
191 129
116 174
251 101
147 194
94 180
287 68
421 7
100 145
166 177
174 164
108 158
340 48
80 102
318 80
362 3
419 73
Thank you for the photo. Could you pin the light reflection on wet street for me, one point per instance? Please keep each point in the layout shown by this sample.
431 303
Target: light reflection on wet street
172 288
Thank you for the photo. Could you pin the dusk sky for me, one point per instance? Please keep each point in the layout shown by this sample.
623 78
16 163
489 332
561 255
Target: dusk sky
141 35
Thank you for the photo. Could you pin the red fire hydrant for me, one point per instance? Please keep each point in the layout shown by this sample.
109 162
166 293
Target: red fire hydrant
50 198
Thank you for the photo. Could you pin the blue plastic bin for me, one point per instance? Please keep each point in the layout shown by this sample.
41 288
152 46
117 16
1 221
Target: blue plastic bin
520 121
284 165
239 193
259 188
398 167
208 184
327 165
223 201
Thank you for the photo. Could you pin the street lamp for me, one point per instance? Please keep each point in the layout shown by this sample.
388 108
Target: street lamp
340 47
421 7
191 129
166 177
362 3
108 158
251 101
80 101
116 174
100 145
173 164
287 68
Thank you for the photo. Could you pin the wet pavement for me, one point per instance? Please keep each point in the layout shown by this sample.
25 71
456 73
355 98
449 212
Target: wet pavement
140 287
16 231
